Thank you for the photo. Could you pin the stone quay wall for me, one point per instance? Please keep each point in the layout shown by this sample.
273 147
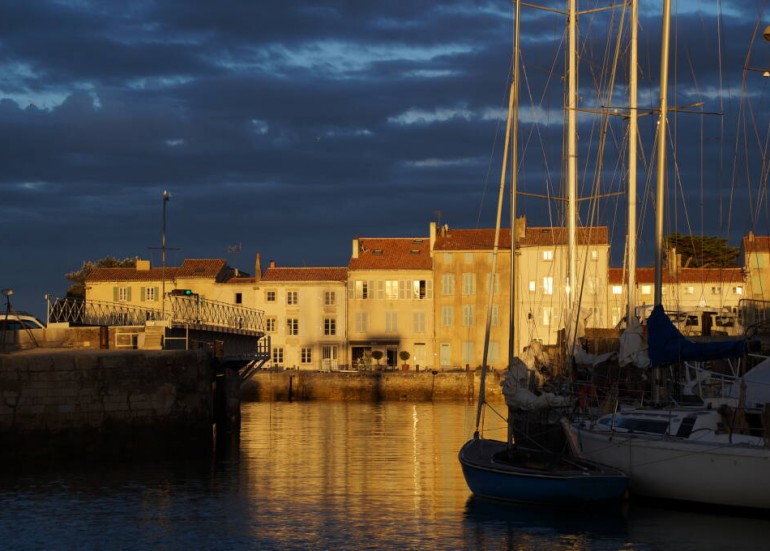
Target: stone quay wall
275 386
80 403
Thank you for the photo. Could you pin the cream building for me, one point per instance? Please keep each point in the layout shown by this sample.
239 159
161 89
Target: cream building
463 265
390 303
305 316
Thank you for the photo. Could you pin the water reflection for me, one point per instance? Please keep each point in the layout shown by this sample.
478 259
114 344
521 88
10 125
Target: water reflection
328 476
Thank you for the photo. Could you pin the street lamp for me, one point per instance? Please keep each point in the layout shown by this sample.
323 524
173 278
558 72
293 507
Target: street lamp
166 197
7 293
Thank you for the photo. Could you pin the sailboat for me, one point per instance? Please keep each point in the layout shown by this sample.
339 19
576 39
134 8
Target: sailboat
672 451
514 470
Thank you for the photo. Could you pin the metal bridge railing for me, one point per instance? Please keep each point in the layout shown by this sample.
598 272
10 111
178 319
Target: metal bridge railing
179 309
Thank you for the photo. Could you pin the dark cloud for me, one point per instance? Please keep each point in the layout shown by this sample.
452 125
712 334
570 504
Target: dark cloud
291 127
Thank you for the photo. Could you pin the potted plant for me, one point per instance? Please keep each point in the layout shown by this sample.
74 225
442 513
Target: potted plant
377 355
404 355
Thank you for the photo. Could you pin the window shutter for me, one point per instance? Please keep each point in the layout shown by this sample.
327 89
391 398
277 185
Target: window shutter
114 294
157 290
142 294
128 294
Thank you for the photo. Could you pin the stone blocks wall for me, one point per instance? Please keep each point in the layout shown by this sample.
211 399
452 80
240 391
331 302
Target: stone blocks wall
420 386
82 402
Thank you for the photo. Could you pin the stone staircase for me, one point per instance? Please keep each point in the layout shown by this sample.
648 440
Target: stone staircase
153 337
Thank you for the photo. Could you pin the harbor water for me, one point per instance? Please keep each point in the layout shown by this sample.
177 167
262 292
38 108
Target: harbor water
330 475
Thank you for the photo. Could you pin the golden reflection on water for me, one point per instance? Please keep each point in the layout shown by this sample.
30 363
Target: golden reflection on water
336 475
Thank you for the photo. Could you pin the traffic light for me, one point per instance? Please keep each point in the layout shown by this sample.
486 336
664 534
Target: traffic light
183 293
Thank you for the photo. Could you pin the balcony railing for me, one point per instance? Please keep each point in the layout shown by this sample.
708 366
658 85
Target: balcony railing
179 309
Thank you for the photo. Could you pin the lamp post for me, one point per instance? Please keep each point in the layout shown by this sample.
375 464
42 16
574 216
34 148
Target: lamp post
166 197
7 293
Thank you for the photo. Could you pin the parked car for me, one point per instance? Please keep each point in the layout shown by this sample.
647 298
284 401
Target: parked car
15 321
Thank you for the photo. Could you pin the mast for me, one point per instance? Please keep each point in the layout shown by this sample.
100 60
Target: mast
632 132
513 343
572 176
660 193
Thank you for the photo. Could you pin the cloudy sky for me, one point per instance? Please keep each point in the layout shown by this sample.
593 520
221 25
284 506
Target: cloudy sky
290 127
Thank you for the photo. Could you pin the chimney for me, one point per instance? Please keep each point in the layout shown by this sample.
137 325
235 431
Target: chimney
355 248
432 237
271 265
258 268
142 265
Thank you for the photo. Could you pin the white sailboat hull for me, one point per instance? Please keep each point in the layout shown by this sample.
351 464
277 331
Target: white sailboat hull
671 468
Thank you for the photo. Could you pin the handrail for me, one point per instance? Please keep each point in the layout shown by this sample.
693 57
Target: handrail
179 309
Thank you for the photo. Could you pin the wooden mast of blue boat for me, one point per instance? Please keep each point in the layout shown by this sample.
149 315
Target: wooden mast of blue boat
512 104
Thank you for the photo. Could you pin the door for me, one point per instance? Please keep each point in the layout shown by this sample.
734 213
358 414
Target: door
329 361
445 354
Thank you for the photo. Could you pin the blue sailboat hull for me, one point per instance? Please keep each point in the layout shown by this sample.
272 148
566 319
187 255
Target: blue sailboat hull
493 470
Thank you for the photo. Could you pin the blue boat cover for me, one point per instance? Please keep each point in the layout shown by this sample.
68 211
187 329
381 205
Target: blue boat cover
667 344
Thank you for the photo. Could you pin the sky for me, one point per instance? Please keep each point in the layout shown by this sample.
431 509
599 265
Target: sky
288 128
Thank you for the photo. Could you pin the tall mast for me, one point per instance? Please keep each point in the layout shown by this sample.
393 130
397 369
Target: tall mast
572 175
632 132
660 195
512 333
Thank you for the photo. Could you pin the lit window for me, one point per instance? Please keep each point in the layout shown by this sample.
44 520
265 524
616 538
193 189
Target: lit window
547 255
617 289
532 286
391 290
594 254
548 285
738 290
689 290
546 315
646 289
362 289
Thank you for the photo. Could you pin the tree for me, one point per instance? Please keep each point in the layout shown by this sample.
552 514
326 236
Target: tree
377 355
703 251
78 287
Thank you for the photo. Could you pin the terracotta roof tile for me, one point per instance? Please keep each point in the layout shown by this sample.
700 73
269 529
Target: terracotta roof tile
483 239
754 243
190 268
392 254
305 274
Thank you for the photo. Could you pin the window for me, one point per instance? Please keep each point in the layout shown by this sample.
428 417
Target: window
292 326
418 322
269 296
362 322
546 315
469 258
447 284
646 289
593 285
270 325
495 318
594 254
493 354
469 284
548 285
421 289
238 298
617 289
615 315
468 315
278 355
306 355
391 322
330 298
532 286
447 257
391 290
689 290
150 294
447 316
362 289
292 297
716 290
124 294
738 290
548 255
330 326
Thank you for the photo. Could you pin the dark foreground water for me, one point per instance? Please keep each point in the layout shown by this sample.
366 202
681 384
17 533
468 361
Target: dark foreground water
329 476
